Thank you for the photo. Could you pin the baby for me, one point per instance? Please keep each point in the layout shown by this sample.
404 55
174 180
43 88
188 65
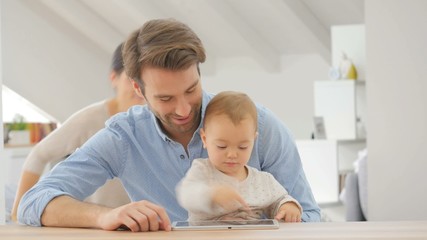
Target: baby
223 186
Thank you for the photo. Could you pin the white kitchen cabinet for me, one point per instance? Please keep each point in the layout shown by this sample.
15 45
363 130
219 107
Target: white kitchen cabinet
342 105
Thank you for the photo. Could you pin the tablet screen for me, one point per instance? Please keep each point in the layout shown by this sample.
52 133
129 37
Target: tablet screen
226 224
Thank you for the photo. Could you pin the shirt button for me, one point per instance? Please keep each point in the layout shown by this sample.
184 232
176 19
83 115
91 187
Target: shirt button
182 156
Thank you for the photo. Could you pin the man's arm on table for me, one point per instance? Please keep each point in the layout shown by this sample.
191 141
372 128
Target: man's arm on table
64 211
53 200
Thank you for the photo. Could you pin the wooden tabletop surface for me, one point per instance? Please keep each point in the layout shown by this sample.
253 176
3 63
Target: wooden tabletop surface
323 230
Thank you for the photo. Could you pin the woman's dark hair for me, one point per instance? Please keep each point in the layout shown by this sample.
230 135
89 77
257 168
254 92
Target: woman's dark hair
117 60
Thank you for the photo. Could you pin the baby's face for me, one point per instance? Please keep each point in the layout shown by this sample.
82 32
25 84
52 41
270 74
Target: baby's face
229 146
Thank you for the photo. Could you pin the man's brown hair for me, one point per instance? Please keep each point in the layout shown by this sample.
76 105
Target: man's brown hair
162 43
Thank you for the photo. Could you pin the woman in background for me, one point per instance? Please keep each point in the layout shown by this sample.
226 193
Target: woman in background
75 131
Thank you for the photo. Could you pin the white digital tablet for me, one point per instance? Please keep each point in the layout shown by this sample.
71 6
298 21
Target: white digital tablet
226 224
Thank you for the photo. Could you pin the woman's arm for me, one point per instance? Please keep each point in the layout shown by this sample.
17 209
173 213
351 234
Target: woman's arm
28 179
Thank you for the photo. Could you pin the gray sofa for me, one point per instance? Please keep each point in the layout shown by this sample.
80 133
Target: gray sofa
355 197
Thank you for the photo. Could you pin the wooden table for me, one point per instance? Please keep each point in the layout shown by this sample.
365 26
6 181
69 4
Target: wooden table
324 230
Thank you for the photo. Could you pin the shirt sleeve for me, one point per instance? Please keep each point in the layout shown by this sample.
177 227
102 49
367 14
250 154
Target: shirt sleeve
193 191
78 176
279 156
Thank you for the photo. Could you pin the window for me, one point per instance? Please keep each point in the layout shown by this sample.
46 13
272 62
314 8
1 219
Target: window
14 104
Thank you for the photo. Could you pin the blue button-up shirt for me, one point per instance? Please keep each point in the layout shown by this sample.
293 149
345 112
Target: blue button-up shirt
134 148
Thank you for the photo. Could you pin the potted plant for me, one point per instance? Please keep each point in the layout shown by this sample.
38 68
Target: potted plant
19 133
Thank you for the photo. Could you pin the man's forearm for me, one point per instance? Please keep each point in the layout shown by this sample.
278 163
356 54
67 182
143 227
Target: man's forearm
311 215
64 211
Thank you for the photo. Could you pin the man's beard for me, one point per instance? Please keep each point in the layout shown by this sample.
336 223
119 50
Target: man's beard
169 125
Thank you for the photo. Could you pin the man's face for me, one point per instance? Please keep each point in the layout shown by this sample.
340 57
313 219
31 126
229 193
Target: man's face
175 98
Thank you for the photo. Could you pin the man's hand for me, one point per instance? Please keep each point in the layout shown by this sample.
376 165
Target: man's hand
139 216
227 198
65 211
289 212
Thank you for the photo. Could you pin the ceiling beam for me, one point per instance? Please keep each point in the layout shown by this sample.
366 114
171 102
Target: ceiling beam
112 13
318 33
262 52
86 22
137 12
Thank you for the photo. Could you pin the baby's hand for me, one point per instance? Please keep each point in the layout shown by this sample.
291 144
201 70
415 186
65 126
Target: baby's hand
289 212
227 198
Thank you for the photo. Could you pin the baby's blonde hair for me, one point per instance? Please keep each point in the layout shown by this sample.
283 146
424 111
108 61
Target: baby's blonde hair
236 105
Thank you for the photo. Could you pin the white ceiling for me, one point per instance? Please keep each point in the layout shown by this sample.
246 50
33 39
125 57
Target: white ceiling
263 30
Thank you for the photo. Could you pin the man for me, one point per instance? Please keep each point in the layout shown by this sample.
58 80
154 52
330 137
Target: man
150 148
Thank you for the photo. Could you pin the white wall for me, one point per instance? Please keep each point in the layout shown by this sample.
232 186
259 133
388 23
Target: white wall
288 93
2 169
48 62
397 109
